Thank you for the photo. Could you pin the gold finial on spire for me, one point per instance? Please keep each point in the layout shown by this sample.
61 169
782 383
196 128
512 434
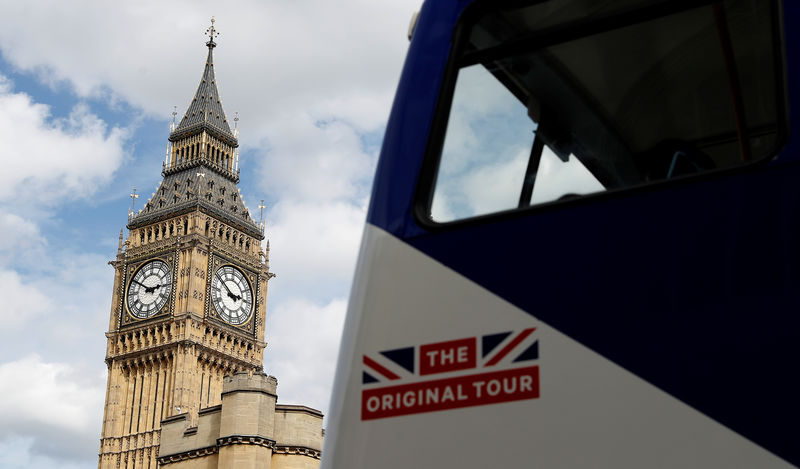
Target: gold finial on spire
261 223
211 32
134 196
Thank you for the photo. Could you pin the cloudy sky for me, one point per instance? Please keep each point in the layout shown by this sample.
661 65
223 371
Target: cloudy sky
87 89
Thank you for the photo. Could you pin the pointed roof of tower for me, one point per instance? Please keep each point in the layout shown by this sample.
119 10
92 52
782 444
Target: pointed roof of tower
199 182
205 111
199 187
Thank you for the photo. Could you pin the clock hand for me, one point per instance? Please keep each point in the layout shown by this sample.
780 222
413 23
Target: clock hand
146 288
230 293
150 289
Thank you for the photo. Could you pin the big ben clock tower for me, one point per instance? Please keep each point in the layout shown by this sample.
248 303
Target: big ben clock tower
190 286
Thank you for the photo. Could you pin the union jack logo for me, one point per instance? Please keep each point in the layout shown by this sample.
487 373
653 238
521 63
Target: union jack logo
483 370
391 365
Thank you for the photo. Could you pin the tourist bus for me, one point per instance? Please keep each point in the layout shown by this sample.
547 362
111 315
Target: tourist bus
582 248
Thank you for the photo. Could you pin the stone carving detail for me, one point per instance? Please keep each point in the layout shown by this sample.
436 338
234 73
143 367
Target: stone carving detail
316 454
197 453
246 440
148 249
239 440
250 260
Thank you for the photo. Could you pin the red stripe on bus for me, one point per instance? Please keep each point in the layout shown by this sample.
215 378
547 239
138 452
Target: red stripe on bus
508 348
379 368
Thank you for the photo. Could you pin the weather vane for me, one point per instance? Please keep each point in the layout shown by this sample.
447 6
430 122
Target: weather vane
261 207
211 32
174 114
134 196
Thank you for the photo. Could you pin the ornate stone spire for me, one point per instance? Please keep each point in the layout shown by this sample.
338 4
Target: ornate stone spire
205 111
201 166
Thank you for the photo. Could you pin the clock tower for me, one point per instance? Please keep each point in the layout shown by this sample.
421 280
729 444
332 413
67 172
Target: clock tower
190 286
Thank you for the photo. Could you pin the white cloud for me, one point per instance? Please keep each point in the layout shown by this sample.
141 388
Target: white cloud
21 453
314 247
495 187
56 306
441 206
303 337
42 400
341 58
49 396
482 188
557 178
315 160
47 160
17 233
79 288
21 301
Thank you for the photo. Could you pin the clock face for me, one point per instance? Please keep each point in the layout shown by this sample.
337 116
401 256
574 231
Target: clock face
149 289
231 295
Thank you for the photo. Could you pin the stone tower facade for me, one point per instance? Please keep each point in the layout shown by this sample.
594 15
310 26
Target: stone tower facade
190 288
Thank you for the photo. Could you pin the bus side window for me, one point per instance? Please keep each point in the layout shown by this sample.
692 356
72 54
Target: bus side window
534 119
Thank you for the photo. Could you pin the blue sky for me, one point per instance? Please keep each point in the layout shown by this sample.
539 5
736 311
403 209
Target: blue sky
87 90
